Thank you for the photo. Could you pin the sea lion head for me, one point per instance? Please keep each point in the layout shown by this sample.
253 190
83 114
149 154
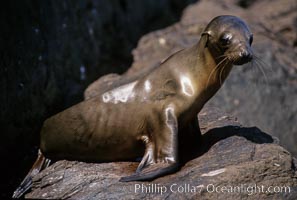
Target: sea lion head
229 37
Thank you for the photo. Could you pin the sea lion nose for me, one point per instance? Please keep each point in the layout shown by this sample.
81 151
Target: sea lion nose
246 55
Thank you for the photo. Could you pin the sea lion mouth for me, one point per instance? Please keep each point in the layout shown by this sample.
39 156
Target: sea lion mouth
240 58
242 61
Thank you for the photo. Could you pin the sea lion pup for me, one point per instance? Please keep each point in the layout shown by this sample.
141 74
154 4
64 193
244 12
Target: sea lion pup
144 117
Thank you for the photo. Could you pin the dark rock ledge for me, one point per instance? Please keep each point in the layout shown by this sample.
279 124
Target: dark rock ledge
232 156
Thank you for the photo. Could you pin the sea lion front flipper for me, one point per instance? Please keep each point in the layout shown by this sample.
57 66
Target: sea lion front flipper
161 155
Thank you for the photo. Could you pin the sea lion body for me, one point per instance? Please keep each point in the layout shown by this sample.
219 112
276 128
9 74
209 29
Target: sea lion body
146 116
93 134
114 125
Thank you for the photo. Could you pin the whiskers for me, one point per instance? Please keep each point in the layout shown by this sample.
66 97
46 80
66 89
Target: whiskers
227 59
217 67
231 58
260 66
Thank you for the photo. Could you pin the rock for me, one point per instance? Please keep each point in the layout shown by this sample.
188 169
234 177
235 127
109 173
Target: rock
230 156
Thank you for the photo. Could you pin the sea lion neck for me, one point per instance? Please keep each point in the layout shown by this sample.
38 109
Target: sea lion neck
212 72
207 75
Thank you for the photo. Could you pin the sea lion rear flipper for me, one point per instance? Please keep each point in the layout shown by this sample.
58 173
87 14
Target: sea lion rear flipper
40 163
151 172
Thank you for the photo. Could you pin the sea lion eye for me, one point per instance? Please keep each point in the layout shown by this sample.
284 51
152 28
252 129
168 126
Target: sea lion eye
251 39
225 39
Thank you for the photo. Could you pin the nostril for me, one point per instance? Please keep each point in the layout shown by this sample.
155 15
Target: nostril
247 55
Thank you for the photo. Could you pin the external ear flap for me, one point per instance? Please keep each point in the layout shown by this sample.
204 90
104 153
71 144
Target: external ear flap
204 40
